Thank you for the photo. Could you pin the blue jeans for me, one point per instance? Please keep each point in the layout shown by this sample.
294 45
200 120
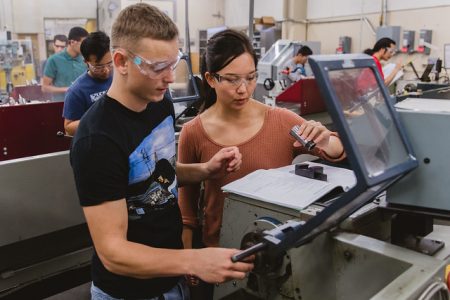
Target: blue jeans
179 292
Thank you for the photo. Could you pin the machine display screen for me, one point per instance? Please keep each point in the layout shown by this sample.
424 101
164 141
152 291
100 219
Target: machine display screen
369 119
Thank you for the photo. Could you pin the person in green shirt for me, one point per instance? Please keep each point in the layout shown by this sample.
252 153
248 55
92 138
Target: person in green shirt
63 68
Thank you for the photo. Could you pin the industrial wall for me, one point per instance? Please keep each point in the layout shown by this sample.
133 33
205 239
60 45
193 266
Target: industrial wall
435 19
29 15
320 20
318 9
202 14
237 11
26 18
329 29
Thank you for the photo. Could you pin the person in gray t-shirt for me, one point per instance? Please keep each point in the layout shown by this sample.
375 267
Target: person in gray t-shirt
295 69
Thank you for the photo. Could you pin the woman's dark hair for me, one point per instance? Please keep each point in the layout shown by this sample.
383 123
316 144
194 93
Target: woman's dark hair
380 44
221 49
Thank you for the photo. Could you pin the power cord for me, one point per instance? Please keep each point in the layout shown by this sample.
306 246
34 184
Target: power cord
435 288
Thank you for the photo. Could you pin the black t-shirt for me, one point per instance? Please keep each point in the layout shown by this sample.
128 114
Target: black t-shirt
118 153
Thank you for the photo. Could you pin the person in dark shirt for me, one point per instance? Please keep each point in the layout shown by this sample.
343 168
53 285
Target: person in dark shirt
93 84
63 68
59 43
123 158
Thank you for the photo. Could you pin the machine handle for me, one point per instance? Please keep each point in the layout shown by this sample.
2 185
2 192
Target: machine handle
269 84
249 251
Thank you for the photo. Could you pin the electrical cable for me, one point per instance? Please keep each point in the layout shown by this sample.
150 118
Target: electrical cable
187 35
433 289
3 10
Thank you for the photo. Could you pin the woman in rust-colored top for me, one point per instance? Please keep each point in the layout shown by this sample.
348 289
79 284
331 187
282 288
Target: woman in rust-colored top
231 117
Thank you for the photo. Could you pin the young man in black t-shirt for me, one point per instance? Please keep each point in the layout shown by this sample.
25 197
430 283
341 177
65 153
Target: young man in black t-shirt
123 157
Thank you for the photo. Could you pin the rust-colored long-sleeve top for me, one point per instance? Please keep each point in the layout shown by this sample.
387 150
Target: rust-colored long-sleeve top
271 147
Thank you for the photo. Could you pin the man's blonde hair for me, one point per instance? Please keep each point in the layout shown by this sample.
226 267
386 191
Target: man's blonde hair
141 21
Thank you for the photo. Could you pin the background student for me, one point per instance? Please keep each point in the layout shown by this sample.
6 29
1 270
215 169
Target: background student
296 67
383 50
63 68
93 84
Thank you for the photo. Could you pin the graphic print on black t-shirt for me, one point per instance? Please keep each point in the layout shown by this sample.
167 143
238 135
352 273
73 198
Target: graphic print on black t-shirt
152 169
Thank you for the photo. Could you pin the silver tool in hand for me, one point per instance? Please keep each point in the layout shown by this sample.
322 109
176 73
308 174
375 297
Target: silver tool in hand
309 145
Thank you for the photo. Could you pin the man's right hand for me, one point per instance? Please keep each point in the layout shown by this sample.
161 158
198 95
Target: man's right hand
214 265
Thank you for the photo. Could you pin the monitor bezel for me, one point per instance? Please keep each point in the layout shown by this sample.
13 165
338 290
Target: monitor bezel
321 66
196 94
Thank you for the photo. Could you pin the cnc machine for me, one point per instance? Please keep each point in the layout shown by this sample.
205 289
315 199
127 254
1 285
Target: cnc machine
271 65
339 248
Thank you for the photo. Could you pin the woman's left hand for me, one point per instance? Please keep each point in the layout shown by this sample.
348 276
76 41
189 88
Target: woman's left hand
225 161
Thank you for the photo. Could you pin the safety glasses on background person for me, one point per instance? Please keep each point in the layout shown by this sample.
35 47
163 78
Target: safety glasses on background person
236 80
72 42
154 70
391 50
100 68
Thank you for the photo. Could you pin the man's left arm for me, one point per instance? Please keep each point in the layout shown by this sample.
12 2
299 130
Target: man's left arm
226 160
71 126
73 110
